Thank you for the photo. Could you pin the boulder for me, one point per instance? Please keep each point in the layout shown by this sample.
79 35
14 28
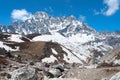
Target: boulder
116 76
56 72
25 73
5 74
60 67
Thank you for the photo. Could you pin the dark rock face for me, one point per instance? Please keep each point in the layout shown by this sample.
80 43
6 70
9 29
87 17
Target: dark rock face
5 74
9 55
2 51
31 36
59 67
4 37
3 61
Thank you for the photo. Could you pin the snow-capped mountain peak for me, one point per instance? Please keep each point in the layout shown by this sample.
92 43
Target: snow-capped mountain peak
42 22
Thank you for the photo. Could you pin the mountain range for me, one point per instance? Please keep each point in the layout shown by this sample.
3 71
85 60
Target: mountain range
63 48
82 40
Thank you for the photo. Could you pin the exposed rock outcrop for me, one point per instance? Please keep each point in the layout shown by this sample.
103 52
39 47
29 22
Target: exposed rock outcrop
25 73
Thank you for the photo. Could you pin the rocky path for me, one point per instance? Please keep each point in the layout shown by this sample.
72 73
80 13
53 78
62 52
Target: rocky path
93 74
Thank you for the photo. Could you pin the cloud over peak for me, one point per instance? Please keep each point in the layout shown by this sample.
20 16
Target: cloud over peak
21 15
112 6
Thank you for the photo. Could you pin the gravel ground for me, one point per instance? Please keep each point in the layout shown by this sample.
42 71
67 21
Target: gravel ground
93 74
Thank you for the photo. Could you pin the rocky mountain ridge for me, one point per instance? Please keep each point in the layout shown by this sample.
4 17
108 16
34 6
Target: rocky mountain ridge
42 23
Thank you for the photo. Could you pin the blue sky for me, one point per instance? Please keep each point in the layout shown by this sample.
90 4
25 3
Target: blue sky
100 14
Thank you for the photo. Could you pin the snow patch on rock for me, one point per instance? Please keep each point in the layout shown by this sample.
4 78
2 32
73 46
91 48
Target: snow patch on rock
54 51
2 45
50 59
15 38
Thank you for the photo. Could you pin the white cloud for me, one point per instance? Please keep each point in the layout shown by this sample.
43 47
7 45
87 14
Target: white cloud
20 14
112 6
82 18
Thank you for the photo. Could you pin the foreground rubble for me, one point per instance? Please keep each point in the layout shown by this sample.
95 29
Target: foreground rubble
46 71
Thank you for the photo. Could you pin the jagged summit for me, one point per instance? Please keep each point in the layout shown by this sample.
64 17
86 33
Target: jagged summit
41 15
42 22
2 28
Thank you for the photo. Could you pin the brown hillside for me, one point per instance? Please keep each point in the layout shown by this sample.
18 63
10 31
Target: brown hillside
36 51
